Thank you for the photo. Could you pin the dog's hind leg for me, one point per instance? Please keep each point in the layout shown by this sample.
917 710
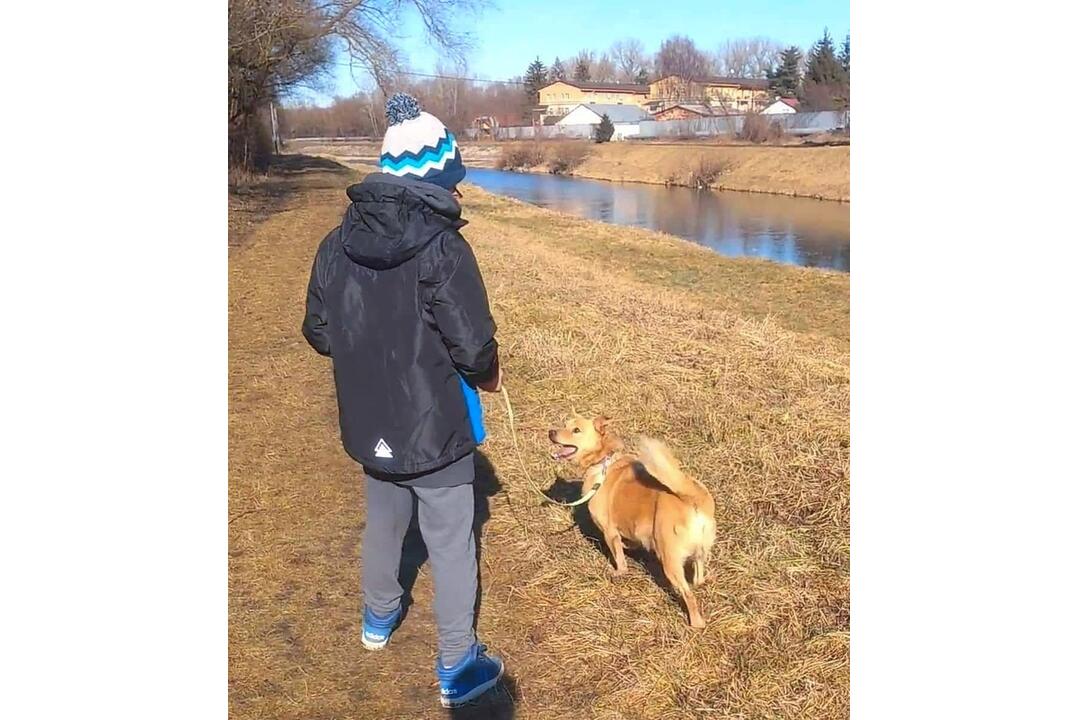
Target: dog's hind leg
675 570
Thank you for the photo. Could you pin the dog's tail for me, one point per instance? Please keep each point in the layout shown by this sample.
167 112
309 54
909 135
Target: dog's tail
662 465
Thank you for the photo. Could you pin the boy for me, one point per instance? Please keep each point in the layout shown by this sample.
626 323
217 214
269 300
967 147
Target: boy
397 301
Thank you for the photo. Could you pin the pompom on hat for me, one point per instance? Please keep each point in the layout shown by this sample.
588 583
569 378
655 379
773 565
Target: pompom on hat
418 145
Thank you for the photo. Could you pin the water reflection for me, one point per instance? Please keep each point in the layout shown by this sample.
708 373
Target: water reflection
796 231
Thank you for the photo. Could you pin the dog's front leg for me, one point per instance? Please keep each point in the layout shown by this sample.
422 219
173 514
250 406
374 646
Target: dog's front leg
615 545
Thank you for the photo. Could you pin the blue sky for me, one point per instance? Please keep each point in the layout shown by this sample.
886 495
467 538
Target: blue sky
508 34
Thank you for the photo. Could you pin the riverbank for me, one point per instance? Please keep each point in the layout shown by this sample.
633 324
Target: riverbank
791 230
742 365
821 172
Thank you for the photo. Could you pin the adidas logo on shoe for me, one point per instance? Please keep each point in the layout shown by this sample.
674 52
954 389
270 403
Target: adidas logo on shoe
470 677
377 630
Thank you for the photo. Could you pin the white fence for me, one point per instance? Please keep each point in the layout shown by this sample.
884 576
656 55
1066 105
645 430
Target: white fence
807 123
545 131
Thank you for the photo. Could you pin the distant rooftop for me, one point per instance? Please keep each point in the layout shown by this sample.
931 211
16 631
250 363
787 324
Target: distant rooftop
698 108
604 86
757 83
617 113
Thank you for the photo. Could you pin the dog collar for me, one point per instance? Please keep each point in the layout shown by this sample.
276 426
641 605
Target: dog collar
604 465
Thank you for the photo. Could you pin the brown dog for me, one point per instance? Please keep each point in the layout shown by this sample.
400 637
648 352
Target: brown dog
647 500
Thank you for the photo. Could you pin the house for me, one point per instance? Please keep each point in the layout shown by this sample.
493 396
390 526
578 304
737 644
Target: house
562 96
487 126
625 118
591 113
727 94
782 106
683 111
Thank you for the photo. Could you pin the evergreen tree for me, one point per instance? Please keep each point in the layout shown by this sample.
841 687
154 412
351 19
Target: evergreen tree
784 79
642 77
604 130
825 86
823 67
845 54
557 71
535 78
581 70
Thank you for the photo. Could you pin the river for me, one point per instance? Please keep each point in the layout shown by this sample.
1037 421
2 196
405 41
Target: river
795 231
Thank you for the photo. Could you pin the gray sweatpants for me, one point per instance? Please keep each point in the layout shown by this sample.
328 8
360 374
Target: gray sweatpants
445 517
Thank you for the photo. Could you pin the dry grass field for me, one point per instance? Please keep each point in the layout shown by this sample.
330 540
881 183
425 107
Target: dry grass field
741 365
821 172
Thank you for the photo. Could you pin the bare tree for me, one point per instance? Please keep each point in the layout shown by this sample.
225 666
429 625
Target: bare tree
678 64
583 64
359 115
747 57
278 45
454 100
630 59
376 117
679 56
446 97
503 100
603 69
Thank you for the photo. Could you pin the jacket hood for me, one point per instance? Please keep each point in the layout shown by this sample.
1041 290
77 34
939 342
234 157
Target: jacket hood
393 218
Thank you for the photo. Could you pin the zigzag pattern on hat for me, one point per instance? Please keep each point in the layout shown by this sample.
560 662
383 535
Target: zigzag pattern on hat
422 161
419 145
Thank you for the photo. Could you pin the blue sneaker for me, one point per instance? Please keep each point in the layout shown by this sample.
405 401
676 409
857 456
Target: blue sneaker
377 630
474 674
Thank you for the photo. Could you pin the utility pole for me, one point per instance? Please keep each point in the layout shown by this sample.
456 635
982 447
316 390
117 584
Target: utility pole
274 128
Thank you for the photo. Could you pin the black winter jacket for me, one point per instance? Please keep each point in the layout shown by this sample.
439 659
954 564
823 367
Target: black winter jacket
396 299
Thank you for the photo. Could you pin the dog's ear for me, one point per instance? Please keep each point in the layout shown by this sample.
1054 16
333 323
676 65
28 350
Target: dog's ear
600 422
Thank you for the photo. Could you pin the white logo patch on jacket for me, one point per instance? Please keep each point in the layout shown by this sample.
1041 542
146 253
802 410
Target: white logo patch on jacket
382 450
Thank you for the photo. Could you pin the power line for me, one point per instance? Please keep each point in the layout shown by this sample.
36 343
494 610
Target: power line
453 77
446 77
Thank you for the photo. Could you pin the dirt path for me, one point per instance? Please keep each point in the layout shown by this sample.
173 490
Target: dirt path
752 394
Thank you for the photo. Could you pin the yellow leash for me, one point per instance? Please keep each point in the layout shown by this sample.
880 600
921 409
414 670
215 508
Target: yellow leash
517 450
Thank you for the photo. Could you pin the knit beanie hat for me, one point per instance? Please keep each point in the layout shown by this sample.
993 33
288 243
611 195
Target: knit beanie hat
417 144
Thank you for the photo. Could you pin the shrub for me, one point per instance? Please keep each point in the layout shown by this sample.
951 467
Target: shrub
565 156
250 144
520 156
241 178
758 129
707 170
701 175
604 130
